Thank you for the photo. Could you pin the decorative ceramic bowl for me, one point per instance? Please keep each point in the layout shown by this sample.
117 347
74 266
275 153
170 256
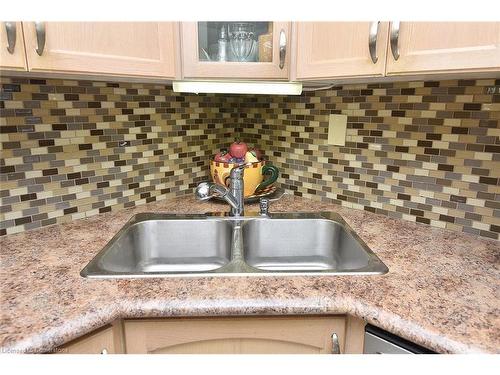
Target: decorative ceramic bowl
253 177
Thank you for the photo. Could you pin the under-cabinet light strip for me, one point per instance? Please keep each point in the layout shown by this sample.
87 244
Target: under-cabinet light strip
238 87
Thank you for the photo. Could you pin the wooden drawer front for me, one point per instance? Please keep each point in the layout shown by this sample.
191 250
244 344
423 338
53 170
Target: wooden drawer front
246 335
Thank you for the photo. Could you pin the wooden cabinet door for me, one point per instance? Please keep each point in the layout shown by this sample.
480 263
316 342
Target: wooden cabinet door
194 66
15 59
441 47
245 335
107 340
326 50
145 49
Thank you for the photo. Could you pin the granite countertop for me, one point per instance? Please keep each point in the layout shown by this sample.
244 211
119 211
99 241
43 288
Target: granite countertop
442 290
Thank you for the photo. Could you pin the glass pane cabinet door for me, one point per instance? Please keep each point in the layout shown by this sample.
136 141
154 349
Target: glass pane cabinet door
253 50
235 41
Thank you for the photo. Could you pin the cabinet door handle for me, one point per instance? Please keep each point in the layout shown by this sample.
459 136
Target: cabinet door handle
40 37
372 41
335 344
395 39
10 28
282 44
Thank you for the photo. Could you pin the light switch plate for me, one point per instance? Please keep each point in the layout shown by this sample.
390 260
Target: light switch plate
337 129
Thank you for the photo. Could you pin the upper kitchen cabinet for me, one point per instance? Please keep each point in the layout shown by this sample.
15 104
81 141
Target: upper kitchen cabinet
442 47
140 49
327 50
236 50
12 56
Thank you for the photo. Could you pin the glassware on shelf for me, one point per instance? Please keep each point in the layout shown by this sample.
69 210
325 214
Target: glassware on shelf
222 44
242 41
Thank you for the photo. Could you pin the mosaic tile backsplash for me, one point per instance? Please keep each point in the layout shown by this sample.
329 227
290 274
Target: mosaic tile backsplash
71 149
422 151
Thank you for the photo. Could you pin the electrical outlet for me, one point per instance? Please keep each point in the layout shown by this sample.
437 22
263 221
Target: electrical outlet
337 129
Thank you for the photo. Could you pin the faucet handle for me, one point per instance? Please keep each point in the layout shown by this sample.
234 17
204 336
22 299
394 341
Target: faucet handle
264 206
203 191
207 190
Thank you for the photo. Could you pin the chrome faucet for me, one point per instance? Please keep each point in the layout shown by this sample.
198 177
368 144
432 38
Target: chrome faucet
232 195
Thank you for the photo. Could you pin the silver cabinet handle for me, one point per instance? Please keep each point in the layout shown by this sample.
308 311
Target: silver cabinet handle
282 48
40 37
335 344
372 41
10 28
395 39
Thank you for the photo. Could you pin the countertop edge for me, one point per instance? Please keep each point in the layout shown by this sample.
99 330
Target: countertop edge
48 341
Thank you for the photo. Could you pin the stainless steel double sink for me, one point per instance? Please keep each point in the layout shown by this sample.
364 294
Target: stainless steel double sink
166 245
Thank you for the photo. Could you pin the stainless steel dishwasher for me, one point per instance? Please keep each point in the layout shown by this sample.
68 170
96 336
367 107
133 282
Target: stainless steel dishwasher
378 341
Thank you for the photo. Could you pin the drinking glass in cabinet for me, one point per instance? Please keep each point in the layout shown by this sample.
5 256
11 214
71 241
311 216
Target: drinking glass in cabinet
235 41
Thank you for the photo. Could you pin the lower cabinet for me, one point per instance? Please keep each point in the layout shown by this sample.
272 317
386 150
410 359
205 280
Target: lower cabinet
106 340
226 335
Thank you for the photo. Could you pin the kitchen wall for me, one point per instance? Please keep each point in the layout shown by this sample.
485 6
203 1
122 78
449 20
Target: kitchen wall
61 157
421 151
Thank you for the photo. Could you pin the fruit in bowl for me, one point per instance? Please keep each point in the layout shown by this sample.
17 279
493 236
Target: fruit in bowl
223 156
257 152
250 157
238 153
257 177
238 149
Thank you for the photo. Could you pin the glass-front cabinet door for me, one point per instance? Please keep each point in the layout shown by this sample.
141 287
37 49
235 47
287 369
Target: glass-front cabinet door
236 50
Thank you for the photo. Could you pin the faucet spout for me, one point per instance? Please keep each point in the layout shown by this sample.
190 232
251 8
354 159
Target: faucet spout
234 195
237 186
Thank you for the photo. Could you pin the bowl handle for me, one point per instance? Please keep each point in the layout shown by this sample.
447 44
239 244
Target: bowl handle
274 174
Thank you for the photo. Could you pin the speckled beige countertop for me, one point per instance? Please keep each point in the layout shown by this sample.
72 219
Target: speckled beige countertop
442 290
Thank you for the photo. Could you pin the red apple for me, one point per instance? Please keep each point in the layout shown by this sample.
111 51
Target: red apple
238 149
